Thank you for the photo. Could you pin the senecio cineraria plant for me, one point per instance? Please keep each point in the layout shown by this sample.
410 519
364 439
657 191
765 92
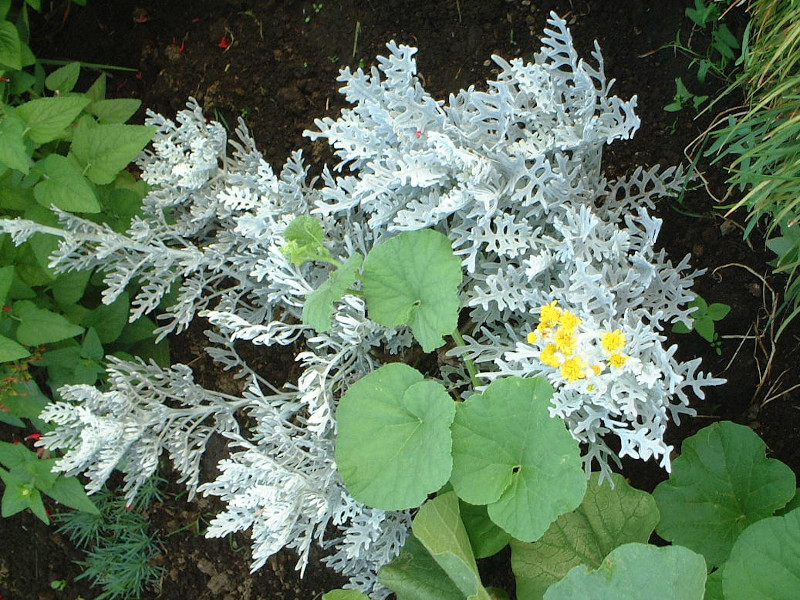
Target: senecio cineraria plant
560 280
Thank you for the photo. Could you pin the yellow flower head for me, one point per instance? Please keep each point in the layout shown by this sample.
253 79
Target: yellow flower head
598 368
550 314
533 337
565 341
573 369
569 320
613 341
617 360
549 357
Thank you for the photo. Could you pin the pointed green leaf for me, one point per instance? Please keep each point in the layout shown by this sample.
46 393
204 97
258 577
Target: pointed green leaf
635 571
16 456
721 483
413 279
486 537
509 453
318 308
104 150
70 492
41 326
704 327
11 350
10 46
68 288
47 118
63 79
64 186
19 494
415 575
92 347
393 444
439 528
97 91
608 517
765 561
717 311
110 319
118 110
13 151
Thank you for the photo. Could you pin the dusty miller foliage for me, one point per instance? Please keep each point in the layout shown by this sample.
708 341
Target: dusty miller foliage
511 174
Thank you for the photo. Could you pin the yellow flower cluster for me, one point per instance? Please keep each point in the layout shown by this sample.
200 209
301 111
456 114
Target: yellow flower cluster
566 346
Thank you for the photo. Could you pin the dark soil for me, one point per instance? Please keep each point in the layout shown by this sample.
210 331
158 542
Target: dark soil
279 70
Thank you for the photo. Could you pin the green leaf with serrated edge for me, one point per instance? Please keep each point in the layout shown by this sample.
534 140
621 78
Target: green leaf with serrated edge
118 110
110 319
393 444
68 288
608 517
11 350
413 279
63 79
10 46
6 278
415 575
509 453
721 483
439 528
104 150
64 186
318 307
13 151
41 326
634 571
486 538
47 118
305 240
765 561
345 595
70 492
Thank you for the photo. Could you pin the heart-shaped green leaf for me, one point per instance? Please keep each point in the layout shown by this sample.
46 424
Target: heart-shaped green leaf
608 517
41 326
636 571
721 483
412 279
765 561
393 444
509 453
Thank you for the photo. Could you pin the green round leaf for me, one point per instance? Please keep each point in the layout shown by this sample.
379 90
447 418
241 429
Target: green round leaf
636 571
510 454
721 483
607 518
41 326
318 308
393 444
412 279
765 561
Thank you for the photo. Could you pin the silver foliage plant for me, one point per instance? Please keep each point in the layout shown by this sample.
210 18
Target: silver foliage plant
511 174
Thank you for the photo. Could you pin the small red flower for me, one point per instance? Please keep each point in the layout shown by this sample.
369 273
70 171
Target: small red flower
224 43
7 308
183 46
4 80
419 134
196 20
140 76
34 436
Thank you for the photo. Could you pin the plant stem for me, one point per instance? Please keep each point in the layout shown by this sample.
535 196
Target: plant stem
471 369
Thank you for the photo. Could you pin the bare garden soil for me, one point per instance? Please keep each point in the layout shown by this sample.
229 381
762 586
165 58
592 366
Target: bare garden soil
276 63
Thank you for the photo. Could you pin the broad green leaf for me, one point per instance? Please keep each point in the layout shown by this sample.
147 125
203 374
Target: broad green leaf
97 91
717 311
10 46
345 595
415 575
16 456
439 528
305 240
92 347
607 518
765 561
793 503
509 453
413 279
118 110
43 476
393 444
110 319
486 538
41 326
141 329
6 279
70 492
714 586
26 401
63 79
721 483
704 327
636 571
64 186
13 151
47 118
68 288
318 308
19 494
104 150
11 350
